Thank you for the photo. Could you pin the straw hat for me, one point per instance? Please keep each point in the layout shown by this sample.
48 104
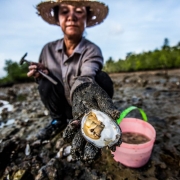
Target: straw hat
98 10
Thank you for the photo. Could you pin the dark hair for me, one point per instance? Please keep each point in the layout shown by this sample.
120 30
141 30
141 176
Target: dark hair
88 12
56 13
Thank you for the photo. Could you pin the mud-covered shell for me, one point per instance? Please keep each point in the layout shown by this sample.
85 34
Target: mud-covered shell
100 129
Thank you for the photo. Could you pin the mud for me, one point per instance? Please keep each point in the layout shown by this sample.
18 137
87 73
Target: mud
23 114
134 138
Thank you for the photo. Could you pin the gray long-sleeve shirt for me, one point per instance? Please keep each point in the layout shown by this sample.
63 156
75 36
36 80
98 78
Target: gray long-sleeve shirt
72 71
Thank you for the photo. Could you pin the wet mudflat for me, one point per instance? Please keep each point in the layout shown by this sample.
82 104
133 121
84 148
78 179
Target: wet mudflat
23 114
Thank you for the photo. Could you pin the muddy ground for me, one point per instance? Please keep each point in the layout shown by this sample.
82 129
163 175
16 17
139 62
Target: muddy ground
22 115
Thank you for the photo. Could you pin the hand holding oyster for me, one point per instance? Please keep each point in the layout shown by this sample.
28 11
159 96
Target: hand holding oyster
96 126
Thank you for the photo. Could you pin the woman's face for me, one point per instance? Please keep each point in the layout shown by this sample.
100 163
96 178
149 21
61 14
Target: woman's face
72 20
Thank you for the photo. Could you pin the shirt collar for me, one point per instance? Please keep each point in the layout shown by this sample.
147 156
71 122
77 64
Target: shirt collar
59 45
79 48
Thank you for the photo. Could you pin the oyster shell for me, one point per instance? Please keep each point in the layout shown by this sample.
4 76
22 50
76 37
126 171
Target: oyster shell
100 129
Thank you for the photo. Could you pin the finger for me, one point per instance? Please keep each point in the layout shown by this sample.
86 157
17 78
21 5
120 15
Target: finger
76 123
78 109
71 129
113 148
31 73
77 146
105 103
45 71
40 66
37 74
31 67
90 152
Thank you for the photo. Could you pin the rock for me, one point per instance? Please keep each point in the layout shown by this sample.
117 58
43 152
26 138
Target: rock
51 171
27 150
59 143
46 113
163 165
64 151
136 101
19 175
69 158
36 143
4 113
6 149
1 104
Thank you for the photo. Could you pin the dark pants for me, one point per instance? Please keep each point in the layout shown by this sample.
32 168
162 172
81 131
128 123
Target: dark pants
54 99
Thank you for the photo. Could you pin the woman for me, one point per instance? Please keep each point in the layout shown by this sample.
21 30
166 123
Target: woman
75 63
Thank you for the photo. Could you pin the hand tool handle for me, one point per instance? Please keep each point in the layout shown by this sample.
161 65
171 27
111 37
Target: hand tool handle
48 77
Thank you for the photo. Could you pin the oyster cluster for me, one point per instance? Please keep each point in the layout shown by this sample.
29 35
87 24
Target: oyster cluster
100 129
92 127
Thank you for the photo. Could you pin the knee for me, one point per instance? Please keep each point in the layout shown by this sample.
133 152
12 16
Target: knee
46 88
105 82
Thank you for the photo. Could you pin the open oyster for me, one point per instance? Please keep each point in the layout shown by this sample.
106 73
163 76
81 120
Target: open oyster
100 129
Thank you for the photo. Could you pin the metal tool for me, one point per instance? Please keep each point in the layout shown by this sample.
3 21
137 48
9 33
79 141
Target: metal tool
43 74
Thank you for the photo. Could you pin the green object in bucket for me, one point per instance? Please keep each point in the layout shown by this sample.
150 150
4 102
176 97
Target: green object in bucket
129 109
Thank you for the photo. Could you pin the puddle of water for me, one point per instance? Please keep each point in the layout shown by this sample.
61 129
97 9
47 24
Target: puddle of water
6 105
9 108
9 122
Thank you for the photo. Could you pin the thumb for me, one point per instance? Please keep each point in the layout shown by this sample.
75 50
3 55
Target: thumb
105 103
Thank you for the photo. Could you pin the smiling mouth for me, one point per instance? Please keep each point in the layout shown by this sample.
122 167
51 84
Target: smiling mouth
72 26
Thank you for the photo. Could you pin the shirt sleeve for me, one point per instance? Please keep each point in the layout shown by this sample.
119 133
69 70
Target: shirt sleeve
41 56
92 62
40 60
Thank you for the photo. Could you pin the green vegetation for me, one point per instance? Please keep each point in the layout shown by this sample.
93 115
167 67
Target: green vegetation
15 73
166 58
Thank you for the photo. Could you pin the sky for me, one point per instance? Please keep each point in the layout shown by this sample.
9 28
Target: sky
131 26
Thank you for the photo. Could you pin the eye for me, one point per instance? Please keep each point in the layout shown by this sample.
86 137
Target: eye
79 10
64 11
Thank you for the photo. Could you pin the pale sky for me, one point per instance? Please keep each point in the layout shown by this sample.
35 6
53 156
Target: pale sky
131 26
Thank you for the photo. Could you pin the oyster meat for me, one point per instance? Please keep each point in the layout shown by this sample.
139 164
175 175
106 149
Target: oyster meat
100 129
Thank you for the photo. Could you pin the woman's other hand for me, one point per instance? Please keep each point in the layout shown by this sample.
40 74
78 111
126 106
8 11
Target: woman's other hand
34 69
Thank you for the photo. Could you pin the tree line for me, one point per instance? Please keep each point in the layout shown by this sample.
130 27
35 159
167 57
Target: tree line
165 58
16 73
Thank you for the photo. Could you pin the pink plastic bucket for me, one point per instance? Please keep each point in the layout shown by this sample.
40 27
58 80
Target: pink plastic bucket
135 155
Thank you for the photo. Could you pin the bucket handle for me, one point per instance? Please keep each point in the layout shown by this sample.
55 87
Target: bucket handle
128 110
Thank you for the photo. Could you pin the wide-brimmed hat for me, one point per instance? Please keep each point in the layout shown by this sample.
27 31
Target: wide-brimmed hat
98 10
